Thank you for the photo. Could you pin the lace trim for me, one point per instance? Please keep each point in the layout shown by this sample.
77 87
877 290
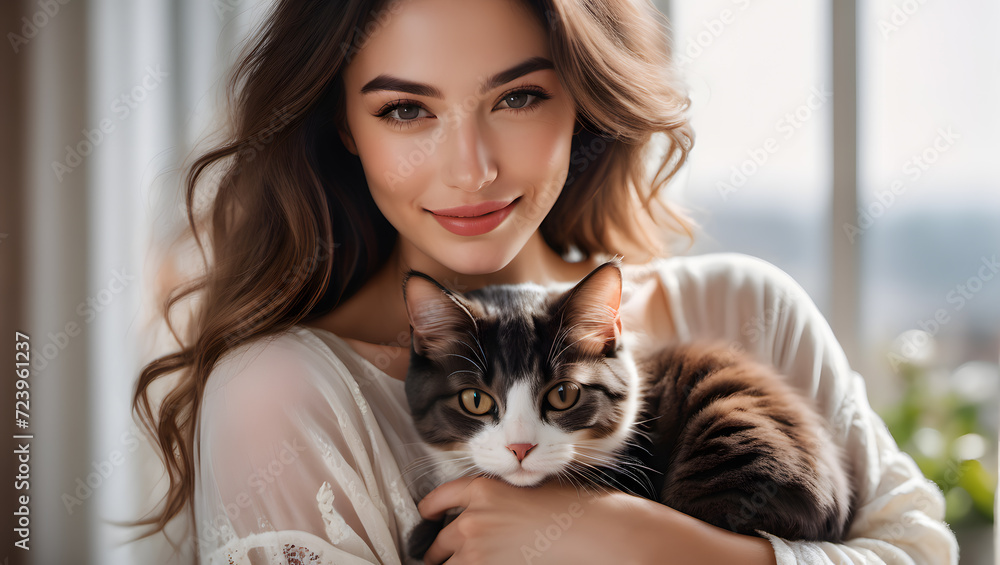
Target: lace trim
336 528
289 546
299 555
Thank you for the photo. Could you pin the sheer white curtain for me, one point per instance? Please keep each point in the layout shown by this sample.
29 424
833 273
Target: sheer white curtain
115 94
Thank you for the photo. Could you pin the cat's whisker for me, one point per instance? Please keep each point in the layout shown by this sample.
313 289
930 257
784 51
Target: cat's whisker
563 332
618 466
577 484
566 331
558 355
414 467
618 460
474 364
569 477
657 417
622 465
636 445
470 467
433 457
479 345
605 479
592 477
560 335
642 434
415 479
481 360
433 465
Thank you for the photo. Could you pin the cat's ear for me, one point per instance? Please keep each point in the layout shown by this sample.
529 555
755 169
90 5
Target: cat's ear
439 317
591 311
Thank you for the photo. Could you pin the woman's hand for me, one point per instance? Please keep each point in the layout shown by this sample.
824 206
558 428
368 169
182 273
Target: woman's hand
557 524
549 524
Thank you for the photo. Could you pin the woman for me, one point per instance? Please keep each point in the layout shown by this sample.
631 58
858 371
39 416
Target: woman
363 130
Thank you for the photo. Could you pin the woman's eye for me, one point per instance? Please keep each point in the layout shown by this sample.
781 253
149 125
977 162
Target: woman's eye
403 113
525 99
563 395
517 100
476 401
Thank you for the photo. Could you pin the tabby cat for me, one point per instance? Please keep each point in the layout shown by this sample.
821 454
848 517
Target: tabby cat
525 384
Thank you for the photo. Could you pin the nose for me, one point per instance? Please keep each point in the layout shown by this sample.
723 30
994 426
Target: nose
470 165
521 449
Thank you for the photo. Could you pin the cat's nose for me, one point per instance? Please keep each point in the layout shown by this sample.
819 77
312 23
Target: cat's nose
521 449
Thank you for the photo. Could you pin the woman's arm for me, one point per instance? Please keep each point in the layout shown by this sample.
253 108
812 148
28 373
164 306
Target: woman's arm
668 536
898 513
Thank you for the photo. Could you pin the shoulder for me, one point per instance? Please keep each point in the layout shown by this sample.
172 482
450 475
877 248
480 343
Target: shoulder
722 270
292 369
727 295
283 356
758 308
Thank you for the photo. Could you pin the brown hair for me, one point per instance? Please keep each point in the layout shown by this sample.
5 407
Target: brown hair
293 230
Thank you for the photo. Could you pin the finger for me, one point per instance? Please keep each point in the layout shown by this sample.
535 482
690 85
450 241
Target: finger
447 543
448 495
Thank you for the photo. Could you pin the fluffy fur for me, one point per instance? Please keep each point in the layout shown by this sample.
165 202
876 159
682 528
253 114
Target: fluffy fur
696 426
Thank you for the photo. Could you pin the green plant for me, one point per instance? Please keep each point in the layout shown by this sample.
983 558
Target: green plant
943 429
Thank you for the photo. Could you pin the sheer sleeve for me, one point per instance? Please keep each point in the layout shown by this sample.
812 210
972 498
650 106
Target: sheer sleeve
898 513
292 467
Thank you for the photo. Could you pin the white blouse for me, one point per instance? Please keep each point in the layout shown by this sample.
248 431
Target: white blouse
301 440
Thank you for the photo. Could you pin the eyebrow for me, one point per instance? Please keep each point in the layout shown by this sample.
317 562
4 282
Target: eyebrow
388 82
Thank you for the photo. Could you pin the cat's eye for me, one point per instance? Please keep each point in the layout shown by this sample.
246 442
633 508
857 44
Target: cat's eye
564 395
476 401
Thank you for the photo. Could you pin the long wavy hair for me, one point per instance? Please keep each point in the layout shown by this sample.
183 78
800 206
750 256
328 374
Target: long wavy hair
292 230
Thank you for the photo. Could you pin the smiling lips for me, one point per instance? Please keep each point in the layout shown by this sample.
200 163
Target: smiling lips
474 220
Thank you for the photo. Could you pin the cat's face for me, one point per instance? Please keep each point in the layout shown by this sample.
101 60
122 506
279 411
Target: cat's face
520 381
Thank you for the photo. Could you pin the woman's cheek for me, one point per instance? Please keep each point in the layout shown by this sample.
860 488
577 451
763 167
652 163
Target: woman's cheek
400 167
541 154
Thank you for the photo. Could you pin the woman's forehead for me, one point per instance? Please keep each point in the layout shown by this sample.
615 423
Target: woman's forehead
449 44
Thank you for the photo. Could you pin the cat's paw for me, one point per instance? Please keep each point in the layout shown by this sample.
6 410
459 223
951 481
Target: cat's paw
421 538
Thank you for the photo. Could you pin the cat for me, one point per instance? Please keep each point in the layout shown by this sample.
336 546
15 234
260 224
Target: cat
526 384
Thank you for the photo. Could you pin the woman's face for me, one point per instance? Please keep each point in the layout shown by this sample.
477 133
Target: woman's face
488 124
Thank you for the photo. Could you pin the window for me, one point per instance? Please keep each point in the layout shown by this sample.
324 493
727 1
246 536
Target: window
901 253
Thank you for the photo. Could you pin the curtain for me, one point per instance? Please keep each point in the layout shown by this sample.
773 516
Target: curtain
104 101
